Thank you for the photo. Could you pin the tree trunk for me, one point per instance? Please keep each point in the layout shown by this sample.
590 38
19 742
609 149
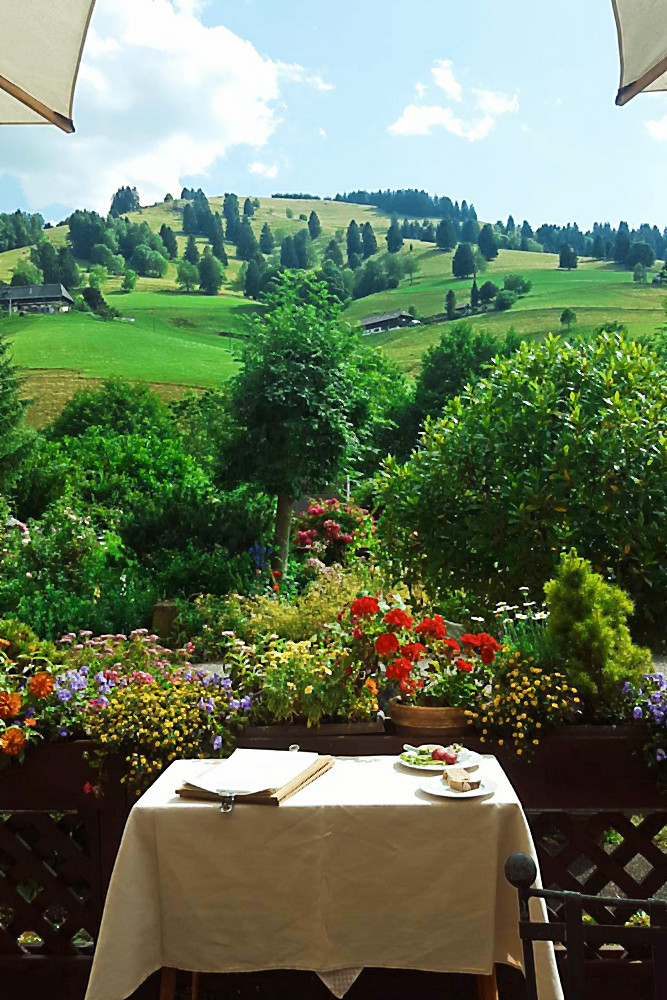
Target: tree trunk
283 524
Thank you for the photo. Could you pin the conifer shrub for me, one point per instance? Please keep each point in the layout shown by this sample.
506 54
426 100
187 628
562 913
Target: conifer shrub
588 622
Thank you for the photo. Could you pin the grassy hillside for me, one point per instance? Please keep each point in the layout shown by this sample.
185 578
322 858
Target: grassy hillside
177 339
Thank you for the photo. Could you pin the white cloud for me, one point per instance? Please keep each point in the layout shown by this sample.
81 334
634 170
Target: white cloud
264 169
443 77
322 133
491 102
297 74
161 97
420 119
473 125
657 129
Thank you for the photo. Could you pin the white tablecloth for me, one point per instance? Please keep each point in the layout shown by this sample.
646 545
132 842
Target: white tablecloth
358 869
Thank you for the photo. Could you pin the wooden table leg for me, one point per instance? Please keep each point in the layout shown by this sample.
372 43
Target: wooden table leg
168 984
194 989
487 987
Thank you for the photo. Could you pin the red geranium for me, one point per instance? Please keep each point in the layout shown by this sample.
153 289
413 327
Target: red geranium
470 640
412 651
433 628
398 617
452 645
465 666
364 606
400 668
386 643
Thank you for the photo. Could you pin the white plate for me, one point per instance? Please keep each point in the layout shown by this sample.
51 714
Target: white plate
467 758
439 788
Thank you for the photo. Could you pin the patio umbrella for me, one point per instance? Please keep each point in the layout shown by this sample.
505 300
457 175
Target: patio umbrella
41 42
642 43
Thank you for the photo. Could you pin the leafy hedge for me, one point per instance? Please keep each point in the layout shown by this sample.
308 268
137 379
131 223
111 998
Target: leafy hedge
559 446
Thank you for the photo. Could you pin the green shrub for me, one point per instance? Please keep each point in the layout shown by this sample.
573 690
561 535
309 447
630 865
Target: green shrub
59 574
588 621
119 407
560 445
254 618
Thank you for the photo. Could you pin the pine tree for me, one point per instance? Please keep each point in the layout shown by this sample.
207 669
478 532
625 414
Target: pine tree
230 210
191 252
15 437
266 240
246 244
210 273
463 262
314 225
169 239
469 231
218 240
248 208
368 241
354 244
68 272
253 280
333 253
599 249
394 237
621 245
488 243
450 304
567 257
189 220
288 256
445 237
474 294
302 248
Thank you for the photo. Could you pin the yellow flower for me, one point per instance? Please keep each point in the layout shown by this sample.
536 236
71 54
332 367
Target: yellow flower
308 690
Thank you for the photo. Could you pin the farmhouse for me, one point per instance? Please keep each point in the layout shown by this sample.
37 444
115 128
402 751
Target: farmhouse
36 298
381 322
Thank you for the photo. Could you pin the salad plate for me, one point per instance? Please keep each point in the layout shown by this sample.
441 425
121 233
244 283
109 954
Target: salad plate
421 761
442 790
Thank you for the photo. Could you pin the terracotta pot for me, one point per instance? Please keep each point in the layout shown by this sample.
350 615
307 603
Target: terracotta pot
412 720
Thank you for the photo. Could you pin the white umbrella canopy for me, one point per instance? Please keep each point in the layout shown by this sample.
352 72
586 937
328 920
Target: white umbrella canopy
41 42
642 43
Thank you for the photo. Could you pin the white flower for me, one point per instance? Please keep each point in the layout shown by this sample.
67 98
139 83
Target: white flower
473 619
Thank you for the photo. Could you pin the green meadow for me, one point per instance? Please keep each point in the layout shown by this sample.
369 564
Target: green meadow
175 340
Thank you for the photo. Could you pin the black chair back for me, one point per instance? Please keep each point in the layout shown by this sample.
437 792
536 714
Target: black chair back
571 931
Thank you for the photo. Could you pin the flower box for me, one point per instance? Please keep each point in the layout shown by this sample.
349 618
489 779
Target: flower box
413 720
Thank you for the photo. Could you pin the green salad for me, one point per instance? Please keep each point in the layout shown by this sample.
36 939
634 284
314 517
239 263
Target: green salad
423 758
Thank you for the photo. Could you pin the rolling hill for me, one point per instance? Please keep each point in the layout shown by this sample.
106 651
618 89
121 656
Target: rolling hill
175 340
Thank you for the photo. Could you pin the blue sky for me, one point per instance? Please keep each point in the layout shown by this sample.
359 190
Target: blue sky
510 106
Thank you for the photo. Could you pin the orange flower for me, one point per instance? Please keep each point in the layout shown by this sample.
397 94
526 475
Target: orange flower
41 684
12 741
31 722
371 686
5 642
10 704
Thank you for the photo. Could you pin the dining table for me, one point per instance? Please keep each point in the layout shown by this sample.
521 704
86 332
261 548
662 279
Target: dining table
371 865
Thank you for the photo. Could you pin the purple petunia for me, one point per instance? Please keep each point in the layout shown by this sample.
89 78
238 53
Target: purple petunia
217 742
64 694
660 755
637 712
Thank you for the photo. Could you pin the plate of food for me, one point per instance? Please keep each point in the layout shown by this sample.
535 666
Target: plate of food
457 783
434 757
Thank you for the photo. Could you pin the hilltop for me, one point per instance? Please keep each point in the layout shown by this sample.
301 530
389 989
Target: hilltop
174 339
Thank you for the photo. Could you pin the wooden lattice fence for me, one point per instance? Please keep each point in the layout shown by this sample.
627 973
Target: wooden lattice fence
57 844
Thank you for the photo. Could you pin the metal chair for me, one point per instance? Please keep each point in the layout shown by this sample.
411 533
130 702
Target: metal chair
570 931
